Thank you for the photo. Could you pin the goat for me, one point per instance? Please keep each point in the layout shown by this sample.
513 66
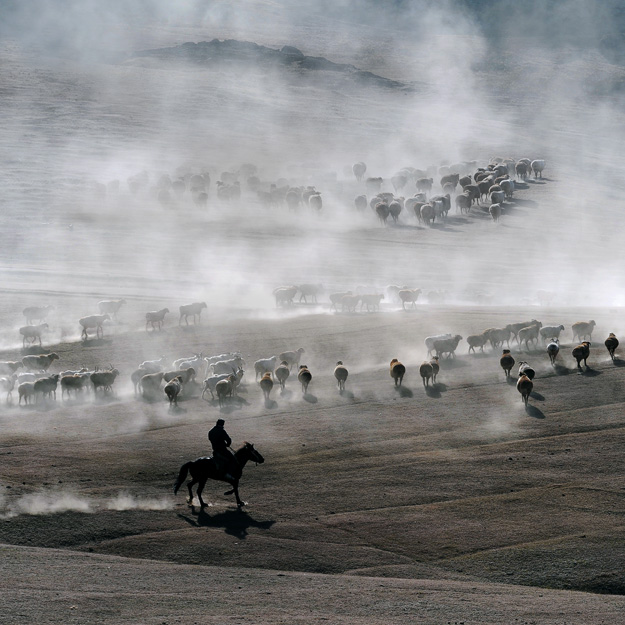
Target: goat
194 310
224 388
111 306
36 313
46 386
33 333
265 365
210 383
525 369
103 380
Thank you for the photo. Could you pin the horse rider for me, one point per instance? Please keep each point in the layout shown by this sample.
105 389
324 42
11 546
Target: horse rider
222 456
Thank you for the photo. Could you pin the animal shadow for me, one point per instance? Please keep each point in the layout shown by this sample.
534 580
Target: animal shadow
347 394
270 403
537 396
511 381
311 399
404 391
432 391
560 370
533 411
34 350
618 362
173 409
590 373
286 393
439 386
96 342
235 522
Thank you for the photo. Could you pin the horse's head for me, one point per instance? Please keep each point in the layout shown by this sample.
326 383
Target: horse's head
254 455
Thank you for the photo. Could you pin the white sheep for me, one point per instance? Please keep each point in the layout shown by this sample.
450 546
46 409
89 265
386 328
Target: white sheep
40 362
93 321
409 295
265 365
7 384
291 358
36 313
210 383
447 346
9 367
26 391
111 306
228 366
155 319
32 333
429 341
153 366
548 332
537 167
552 349
194 310
530 333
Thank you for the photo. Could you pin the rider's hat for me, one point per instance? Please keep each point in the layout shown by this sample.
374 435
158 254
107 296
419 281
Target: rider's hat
220 422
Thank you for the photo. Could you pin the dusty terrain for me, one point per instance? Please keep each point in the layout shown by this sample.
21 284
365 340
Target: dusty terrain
454 504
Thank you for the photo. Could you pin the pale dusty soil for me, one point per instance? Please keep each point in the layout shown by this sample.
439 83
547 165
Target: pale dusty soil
381 505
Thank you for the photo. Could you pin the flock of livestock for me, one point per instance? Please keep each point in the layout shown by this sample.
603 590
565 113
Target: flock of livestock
464 182
222 374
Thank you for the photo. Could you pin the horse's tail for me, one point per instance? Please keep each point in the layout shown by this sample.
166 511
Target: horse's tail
184 469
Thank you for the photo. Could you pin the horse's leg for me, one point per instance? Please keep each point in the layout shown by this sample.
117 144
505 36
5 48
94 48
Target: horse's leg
200 488
190 486
236 494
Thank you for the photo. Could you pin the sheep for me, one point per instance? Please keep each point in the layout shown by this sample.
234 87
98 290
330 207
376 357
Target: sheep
310 290
7 384
424 185
495 211
210 383
497 197
477 340
373 185
395 208
525 369
359 170
46 386
583 329
315 202
30 377
537 167
284 295
507 186
196 361
435 368
452 179
186 375
524 385
340 373
265 365
9 367
447 346
530 333
26 391
426 372
291 358
153 366
360 202
550 332
463 202
515 327
74 382
521 170
427 214
350 302
194 310
172 389
371 301
399 181
429 341
266 384
93 321
282 373
227 366
398 371
210 360
224 388
155 319
39 362
111 306
611 344
33 333
36 313
382 211
335 299
304 376
507 362
581 352
409 295
552 349
103 380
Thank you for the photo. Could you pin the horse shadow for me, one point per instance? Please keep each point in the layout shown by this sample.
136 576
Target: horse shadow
533 411
311 399
234 522
404 391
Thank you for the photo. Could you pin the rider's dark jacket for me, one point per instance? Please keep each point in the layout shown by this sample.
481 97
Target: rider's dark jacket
219 440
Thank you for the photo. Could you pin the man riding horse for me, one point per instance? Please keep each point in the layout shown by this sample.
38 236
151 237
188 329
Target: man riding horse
222 456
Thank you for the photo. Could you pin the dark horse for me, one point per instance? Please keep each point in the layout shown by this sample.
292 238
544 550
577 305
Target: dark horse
204 468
